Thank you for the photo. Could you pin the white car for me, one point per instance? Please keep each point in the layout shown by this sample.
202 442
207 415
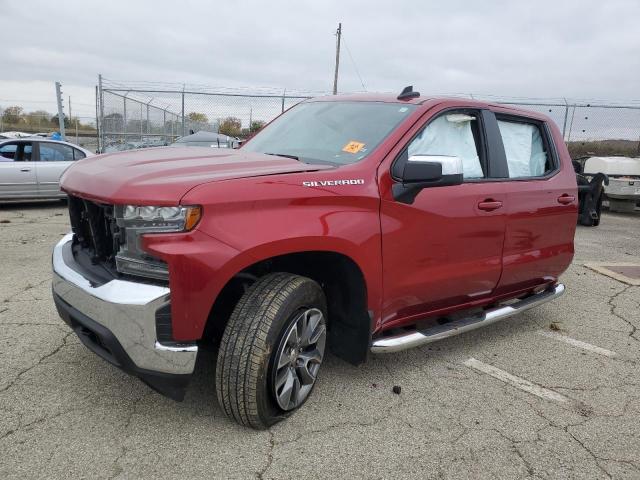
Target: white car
30 168
623 190
7 135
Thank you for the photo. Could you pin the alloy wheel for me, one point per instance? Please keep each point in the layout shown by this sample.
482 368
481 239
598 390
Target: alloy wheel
298 359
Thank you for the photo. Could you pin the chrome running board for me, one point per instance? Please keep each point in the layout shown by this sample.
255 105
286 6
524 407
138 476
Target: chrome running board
416 338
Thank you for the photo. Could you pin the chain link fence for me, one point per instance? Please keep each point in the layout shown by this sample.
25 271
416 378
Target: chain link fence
593 129
137 116
142 114
80 130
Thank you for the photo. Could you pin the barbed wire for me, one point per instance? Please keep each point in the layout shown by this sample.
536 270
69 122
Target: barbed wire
203 88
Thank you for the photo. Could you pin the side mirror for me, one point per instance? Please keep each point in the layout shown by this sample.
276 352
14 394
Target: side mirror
424 171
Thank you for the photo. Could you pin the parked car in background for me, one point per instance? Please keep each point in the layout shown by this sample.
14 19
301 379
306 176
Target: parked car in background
154 142
207 139
7 135
623 189
121 147
31 167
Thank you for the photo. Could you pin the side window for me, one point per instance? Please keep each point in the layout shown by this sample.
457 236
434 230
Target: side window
27 148
525 148
8 152
78 154
55 152
452 134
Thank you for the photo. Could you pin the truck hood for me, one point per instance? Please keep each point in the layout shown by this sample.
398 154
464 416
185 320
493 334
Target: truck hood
162 176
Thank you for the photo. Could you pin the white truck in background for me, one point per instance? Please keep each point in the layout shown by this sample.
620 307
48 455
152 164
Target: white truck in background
623 189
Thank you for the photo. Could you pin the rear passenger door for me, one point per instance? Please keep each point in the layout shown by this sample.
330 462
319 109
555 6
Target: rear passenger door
17 170
54 159
541 204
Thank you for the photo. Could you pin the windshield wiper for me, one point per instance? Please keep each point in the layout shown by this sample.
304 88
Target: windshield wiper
283 155
308 161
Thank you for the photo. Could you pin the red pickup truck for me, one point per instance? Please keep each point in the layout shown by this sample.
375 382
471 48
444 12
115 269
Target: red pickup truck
365 224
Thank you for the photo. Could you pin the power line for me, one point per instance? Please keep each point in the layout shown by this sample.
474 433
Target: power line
354 64
40 101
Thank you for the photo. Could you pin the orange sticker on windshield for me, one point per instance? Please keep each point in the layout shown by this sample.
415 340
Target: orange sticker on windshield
353 147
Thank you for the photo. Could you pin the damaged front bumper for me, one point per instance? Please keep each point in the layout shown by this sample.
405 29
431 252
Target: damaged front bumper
117 321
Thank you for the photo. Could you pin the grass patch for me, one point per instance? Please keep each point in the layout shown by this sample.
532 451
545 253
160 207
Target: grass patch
604 148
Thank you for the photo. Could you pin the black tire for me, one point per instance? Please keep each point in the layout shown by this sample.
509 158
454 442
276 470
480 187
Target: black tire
585 220
596 222
249 343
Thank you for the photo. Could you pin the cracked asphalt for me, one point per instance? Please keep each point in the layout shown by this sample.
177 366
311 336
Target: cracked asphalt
65 413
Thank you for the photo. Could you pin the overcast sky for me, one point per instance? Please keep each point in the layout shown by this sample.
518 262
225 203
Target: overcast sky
582 49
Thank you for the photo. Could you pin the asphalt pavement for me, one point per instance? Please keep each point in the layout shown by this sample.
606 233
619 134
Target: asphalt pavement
552 393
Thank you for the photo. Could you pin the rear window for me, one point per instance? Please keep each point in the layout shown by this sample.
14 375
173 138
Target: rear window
78 154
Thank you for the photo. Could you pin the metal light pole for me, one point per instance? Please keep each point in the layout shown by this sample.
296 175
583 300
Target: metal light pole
60 113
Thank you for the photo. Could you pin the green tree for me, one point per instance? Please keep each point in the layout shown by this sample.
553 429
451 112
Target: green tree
231 126
54 120
198 117
113 122
256 125
38 119
13 114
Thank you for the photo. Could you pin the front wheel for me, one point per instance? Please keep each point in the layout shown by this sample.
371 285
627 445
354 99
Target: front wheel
271 350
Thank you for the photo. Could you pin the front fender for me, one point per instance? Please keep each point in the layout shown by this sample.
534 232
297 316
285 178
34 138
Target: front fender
200 266
249 220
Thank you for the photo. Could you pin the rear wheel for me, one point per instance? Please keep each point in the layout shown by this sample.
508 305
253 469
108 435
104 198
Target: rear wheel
271 350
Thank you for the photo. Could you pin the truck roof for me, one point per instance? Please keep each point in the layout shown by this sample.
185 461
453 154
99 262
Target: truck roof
430 100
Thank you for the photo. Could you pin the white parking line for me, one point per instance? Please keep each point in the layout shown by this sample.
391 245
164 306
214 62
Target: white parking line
577 343
517 382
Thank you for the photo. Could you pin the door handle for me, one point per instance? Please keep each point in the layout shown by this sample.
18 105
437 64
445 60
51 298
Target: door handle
25 169
489 205
565 199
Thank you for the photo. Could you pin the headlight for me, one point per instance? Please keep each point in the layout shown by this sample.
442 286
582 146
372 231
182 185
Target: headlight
160 219
136 220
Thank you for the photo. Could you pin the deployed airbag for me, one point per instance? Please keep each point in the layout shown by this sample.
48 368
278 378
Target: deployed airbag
450 135
524 149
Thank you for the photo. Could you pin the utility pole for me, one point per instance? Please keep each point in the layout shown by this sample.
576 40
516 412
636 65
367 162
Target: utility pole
335 76
60 113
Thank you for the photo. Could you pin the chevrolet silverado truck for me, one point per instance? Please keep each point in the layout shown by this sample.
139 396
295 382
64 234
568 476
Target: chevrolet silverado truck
363 224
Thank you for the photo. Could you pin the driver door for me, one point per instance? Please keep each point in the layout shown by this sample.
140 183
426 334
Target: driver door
445 248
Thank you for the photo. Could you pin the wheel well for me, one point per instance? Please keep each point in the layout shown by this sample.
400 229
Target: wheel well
342 282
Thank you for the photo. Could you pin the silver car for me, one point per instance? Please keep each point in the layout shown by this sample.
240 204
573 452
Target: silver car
31 167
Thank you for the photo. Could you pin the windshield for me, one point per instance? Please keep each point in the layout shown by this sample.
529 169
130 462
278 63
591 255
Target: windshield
329 132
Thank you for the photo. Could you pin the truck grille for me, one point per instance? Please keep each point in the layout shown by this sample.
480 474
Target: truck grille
95 230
